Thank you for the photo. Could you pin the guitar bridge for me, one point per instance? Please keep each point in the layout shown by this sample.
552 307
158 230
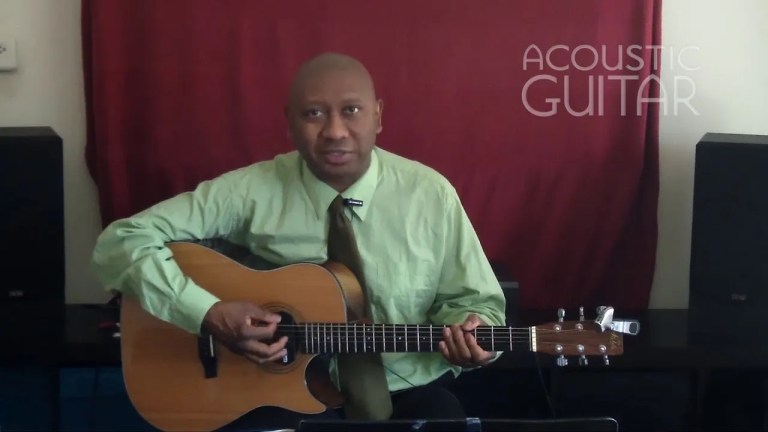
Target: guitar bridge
206 349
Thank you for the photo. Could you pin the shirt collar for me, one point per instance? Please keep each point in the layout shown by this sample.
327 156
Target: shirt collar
321 195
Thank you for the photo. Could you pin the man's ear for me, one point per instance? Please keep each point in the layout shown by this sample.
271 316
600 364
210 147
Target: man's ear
379 110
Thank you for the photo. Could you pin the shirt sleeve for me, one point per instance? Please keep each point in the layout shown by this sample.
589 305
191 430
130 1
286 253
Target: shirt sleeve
131 256
467 281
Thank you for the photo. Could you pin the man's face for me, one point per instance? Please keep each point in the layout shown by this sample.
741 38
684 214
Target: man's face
334 118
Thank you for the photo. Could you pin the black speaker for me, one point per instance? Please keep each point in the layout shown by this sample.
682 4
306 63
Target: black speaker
729 244
31 232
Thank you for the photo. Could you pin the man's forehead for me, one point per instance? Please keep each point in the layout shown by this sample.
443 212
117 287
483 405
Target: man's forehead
335 76
343 84
343 99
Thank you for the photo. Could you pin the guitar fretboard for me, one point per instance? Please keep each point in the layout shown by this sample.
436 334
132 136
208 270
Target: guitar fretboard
361 338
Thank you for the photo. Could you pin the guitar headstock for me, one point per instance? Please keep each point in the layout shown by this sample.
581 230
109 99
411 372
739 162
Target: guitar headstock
599 337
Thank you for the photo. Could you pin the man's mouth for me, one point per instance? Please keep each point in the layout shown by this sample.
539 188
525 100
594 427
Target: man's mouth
336 157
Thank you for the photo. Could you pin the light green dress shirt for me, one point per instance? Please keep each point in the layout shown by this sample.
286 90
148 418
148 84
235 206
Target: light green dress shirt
422 260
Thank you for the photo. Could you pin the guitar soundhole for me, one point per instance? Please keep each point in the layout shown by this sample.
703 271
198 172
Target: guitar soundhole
287 328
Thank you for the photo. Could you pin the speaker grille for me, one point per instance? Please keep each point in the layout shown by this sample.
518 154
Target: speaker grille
31 215
729 244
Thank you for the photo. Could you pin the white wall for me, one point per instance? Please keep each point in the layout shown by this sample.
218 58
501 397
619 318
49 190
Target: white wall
731 95
47 90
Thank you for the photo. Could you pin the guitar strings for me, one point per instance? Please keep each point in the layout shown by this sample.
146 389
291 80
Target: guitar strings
425 329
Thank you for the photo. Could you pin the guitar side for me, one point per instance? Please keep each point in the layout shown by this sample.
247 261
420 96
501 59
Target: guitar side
162 370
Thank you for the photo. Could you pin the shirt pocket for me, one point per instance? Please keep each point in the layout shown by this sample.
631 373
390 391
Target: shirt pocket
402 292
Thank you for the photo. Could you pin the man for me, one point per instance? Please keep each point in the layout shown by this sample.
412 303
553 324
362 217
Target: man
421 258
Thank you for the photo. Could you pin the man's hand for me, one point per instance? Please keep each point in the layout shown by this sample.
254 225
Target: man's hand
461 348
245 329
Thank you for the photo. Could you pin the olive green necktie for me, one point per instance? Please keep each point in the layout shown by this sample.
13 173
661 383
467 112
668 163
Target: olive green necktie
361 375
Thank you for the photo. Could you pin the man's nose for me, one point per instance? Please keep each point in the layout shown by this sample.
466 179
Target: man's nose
335 128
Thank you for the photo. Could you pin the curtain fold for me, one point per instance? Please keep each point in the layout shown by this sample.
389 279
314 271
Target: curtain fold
557 168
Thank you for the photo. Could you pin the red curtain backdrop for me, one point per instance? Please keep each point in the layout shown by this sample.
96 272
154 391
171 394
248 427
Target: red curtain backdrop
528 107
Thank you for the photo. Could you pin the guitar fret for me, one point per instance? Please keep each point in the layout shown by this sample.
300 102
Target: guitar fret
355 330
338 333
418 338
346 330
493 342
383 338
431 341
373 329
394 337
510 338
306 341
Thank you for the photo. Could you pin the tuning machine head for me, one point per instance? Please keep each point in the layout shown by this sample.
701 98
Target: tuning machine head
604 350
561 361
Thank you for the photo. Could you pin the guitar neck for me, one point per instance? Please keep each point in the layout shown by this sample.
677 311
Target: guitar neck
319 338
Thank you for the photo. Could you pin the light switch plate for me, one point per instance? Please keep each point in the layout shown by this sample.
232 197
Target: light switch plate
7 54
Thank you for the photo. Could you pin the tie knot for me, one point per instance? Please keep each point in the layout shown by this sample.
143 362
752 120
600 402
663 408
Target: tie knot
337 205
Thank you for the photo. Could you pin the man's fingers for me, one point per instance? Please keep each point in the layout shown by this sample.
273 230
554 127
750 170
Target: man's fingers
261 349
261 360
258 332
257 315
472 322
461 348
460 344
450 346
444 351
479 355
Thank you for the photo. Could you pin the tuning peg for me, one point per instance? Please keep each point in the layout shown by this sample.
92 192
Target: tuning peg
582 358
604 349
562 361
560 314
581 313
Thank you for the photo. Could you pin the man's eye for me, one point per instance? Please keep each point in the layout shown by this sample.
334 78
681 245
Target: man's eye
312 113
351 110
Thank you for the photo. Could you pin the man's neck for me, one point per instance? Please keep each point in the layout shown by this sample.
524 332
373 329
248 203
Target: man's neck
342 184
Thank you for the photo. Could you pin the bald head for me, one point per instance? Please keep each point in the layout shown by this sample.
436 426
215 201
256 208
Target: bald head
320 66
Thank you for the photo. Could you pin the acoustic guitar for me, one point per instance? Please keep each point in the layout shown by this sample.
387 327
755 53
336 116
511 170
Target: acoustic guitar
180 381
